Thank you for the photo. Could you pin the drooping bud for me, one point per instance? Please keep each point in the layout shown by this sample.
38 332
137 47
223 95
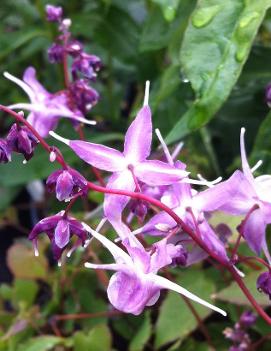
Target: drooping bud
264 283
22 140
83 95
5 151
55 53
59 229
86 64
181 258
54 13
66 183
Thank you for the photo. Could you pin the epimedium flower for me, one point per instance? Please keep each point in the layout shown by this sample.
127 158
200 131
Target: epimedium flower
130 165
242 194
66 183
20 139
59 228
45 108
136 284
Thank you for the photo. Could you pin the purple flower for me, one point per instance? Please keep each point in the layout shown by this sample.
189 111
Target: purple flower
264 283
55 53
59 229
86 64
247 319
131 165
54 13
184 202
5 152
20 139
66 183
136 284
242 194
84 96
45 108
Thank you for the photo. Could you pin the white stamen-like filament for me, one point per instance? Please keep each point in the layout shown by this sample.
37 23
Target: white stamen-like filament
164 147
147 93
60 138
258 164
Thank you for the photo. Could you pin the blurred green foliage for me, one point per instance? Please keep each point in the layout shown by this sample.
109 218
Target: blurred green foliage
208 62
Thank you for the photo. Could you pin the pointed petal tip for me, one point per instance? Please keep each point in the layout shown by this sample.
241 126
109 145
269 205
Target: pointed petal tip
147 93
87 265
58 137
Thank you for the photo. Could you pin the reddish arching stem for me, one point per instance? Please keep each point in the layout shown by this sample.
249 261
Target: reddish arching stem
161 206
258 259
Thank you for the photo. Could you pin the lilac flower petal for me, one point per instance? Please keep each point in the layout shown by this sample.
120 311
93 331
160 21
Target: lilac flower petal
154 172
26 88
29 78
159 224
62 233
99 156
119 255
234 196
140 257
129 294
42 123
162 255
137 145
254 230
110 266
167 284
114 204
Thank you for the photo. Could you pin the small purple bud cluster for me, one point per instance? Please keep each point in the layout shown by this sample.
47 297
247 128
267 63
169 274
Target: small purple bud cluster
84 66
239 335
19 139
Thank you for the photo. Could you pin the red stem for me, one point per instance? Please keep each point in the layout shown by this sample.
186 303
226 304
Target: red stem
163 207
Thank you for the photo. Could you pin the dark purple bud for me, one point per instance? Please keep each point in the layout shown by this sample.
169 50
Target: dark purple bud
22 140
5 151
139 208
247 319
55 53
181 258
236 335
59 229
83 95
54 13
66 183
264 283
268 94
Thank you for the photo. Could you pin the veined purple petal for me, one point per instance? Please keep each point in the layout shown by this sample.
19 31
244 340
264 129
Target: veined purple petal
46 224
154 172
159 224
137 145
114 204
99 156
235 196
254 230
129 294
64 186
62 233
42 123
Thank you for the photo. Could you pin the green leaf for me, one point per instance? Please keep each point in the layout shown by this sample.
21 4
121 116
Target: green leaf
25 291
98 339
40 343
158 31
215 47
234 294
175 319
143 334
23 264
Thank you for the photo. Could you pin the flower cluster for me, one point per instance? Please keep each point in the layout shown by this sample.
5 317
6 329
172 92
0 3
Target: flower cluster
182 231
239 334
76 99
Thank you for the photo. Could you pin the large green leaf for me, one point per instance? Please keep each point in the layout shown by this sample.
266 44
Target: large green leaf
98 339
143 334
40 343
234 294
175 309
215 47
